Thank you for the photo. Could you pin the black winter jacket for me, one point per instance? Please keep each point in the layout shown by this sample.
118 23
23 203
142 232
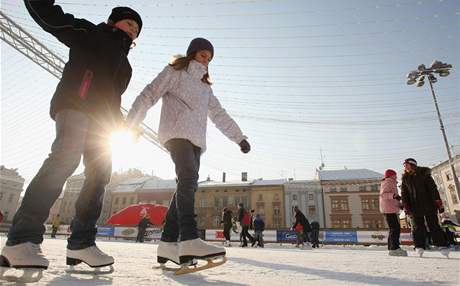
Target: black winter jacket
97 72
227 218
144 223
300 218
419 192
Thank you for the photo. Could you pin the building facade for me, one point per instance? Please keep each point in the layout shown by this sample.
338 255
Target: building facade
308 197
351 198
11 186
267 199
442 175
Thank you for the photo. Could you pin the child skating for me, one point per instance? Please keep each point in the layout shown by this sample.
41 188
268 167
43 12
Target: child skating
86 109
187 102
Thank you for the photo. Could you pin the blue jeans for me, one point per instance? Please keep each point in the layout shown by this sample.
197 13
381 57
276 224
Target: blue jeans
180 223
76 135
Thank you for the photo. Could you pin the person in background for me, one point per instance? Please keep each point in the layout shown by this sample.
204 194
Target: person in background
227 223
314 237
144 223
390 206
259 227
421 201
55 226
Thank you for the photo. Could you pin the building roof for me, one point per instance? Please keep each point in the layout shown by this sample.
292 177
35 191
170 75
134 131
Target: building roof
154 184
130 185
269 182
205 184
349 174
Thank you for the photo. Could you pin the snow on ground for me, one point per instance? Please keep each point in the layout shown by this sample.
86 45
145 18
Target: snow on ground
275 265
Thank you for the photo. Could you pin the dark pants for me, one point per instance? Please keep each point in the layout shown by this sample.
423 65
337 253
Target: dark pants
245 234
395 231
141 234
258 237
76 135
419 231
314 237
227 229
180 219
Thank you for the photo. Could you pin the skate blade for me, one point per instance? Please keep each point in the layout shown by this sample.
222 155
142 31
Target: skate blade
211 263
94 271
177 266
29 275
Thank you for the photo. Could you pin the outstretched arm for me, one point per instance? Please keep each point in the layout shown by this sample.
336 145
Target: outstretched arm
65 27
224 122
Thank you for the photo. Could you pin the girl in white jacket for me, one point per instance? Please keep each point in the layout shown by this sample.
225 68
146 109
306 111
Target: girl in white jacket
187 102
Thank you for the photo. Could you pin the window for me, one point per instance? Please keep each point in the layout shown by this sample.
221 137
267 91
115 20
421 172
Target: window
375 188
453 194
362 188
276 197
123 201
449 175
216 202
202 203
294 197
132 201
224 202
370 204
261 197
216 221
339 204
365 204
311 197
116 201
333 189
343 189
312 211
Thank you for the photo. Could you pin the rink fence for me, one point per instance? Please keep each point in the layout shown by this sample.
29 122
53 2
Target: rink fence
327 236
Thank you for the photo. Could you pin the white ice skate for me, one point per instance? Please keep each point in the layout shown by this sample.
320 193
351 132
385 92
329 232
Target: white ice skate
397 252
444 251
23 263
91 256
168 251
420 251
307 246
227 243
197 250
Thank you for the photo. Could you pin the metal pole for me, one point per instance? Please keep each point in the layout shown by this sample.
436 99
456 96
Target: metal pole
451 161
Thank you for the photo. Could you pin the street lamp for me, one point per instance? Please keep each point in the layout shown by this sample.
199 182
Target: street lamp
418 76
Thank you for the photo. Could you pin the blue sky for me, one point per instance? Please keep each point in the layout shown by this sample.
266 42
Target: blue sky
297 76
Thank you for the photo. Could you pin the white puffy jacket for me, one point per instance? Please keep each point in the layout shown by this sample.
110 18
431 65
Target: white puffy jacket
187 102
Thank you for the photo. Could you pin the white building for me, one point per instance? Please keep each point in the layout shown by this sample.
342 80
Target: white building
307 195
442 175
11 186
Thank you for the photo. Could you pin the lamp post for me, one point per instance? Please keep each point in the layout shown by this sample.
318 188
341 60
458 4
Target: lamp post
418 76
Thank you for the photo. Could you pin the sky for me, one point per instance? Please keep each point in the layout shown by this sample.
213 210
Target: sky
301 78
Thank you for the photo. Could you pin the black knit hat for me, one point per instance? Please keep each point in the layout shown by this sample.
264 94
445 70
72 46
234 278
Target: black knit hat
122 13
411 161
199 44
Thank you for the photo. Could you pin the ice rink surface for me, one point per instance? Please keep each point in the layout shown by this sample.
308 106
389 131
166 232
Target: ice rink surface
274 265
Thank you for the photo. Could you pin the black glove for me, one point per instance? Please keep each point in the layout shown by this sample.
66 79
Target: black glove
244 146
397 197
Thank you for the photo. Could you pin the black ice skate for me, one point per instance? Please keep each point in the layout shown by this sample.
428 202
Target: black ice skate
23 263
195 250
91 256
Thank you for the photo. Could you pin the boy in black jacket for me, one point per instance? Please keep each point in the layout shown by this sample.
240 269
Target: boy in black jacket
86 108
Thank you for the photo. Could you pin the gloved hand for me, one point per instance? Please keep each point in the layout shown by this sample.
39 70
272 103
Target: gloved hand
244 146
407 209
397 197
439 206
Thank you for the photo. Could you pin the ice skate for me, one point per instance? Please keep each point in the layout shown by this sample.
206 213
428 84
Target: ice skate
23 263
420 251
197 250
227 243
444 251
307 246
397 252
168 251
91 256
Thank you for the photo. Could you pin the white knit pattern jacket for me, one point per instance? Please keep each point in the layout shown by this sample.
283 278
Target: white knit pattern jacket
187 102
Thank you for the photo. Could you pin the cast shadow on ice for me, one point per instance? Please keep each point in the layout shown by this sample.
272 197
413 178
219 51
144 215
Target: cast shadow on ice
80 279
201 280
339 276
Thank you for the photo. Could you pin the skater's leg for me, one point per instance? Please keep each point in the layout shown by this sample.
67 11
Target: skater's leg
437 234
419 231
97 159
186 157
171 226
394 233
45 187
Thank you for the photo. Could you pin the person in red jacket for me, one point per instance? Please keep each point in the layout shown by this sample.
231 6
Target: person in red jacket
422 203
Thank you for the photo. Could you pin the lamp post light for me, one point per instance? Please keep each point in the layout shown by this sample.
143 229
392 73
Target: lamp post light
418 76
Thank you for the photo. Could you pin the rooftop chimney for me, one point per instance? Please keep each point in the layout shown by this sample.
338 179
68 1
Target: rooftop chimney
223 177
244 176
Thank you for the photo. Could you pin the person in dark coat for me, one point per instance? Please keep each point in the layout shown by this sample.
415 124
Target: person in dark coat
86 110
259 227
228 224
244 218
302 220
144 223
421 201
314 237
